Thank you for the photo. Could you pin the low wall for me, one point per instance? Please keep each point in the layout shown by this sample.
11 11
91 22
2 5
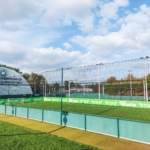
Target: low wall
126 129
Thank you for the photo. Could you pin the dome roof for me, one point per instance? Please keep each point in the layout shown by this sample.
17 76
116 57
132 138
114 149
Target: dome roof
13 83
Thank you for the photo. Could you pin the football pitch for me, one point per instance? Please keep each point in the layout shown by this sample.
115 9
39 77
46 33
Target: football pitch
138 114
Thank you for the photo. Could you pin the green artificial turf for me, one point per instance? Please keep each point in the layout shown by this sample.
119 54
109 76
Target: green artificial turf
139 114
13 137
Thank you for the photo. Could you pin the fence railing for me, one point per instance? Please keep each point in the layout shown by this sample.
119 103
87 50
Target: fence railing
126 129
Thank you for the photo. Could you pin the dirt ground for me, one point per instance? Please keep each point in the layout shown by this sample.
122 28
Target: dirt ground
89 138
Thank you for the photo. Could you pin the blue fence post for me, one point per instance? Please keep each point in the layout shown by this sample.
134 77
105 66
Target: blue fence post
42 115
5 109
118 130
27 112
15 110
61 97
12 110
85 122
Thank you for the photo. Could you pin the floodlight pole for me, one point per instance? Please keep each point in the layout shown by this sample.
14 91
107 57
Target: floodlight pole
61 97
145 79
103 88
45 83
98 83
130 84
69 90
43 90
49 88
144 88
146 93
69 84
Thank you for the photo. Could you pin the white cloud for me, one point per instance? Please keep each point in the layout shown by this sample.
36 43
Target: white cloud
67 45
117 56
109 10
28 27
39 59
133 37
58 13
18 10
19 19
122 3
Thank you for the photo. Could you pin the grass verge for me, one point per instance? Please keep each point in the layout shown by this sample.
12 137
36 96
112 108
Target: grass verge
19 138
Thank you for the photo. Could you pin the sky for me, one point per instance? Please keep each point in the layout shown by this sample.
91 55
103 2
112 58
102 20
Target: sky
41 35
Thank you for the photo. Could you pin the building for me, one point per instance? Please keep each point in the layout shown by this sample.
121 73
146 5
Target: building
13 84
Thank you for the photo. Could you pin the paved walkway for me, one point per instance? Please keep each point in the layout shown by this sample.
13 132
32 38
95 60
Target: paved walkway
89 138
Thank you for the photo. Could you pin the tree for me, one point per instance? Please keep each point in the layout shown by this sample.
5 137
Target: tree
26 76
66 85
41 79
72 84
33 78
15 69
111 79
36 79
130 77
56 87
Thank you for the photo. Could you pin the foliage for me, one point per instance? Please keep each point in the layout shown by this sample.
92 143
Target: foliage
34 78
122 87
15 69
19 138
26 76
111 79
66 85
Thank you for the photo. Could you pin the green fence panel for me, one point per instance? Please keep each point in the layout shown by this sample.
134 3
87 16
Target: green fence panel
21 112
124 103
51 116
103 125
35 114
3 101
73 120
136 131
38 99
15 100
2 109
10 110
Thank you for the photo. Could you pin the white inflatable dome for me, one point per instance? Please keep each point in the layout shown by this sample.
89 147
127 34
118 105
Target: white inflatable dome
13 83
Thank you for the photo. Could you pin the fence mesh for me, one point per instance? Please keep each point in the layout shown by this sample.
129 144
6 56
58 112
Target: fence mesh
127 80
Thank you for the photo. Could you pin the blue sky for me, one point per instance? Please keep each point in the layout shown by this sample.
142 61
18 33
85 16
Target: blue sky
40 35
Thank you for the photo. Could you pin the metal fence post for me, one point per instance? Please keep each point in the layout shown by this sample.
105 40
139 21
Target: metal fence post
5 108
85 122
27 112
15 110
42 115
118 130
61 96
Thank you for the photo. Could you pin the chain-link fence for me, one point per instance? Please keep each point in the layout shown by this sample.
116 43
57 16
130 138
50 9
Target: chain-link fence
126 80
